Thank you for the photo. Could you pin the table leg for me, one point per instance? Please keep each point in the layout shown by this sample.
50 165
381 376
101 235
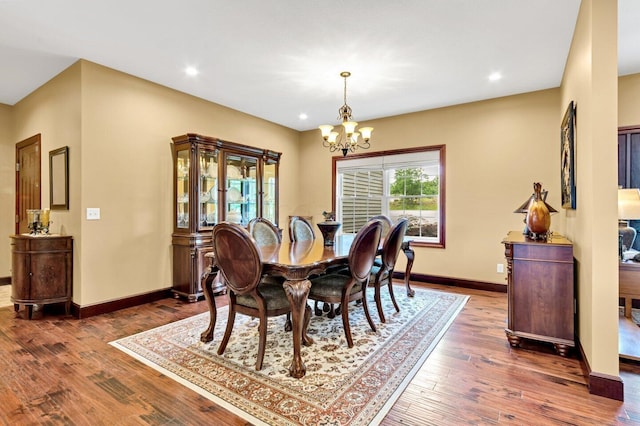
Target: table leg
207 289
408 251
297 292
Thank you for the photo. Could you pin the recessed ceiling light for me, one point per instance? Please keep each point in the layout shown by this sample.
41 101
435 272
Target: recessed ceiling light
303 116
191 71
495 76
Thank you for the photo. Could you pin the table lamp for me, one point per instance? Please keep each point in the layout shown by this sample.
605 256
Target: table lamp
628 205
524 209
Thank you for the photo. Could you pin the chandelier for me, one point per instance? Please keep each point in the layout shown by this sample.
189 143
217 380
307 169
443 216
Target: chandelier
347 139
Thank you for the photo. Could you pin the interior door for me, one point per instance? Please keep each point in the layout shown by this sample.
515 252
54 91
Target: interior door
28 194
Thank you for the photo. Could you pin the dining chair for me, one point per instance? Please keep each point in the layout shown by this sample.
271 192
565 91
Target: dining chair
238 258
387 223
300 229
264 232
384 272
339 288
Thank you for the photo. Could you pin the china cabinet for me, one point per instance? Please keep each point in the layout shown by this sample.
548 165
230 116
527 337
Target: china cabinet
214 181
541 297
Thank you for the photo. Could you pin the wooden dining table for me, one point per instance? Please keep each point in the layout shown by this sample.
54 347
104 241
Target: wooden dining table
296 262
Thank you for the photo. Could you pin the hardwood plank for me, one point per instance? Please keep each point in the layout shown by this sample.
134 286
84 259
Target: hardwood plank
59 370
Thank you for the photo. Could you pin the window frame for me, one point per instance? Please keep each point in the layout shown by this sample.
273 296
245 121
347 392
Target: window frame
442 184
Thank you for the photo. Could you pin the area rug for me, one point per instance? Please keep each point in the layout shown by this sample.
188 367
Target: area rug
342 386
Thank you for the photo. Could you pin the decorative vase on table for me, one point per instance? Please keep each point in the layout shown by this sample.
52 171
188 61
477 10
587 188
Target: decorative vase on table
328 228
538 215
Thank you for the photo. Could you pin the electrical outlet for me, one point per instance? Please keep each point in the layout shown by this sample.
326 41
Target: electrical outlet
93 213
500 268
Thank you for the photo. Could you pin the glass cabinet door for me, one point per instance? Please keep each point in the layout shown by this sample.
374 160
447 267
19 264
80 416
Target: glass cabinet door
182 188
208 188
242 191
269 191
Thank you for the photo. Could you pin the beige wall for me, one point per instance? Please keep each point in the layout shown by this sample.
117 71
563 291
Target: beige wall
495 150
119 131
7 185
629 100
590 79
53 110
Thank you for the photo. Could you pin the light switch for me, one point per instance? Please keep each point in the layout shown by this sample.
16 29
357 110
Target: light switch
93 213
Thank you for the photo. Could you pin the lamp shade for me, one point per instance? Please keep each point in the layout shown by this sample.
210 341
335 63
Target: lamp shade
524 208
629 203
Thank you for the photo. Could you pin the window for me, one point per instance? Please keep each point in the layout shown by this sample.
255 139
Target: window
403 183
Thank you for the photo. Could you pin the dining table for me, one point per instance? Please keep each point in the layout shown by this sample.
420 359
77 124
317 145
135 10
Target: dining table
296 262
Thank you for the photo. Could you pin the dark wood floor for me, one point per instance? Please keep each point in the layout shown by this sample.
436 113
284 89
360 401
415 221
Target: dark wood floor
57 370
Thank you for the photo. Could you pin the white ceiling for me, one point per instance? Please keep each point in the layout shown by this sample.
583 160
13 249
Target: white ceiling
276 59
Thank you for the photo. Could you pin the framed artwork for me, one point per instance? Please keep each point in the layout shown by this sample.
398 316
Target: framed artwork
567 157
59 179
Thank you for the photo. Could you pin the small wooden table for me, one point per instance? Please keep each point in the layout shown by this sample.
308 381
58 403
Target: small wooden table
296 262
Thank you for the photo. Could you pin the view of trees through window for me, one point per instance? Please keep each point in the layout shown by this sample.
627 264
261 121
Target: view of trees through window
414 194
398 186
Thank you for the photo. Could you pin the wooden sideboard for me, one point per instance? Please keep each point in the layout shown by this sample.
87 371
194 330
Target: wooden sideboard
540 291
42 271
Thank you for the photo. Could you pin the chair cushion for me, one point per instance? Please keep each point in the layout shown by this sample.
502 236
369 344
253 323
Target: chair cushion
264 235
374 271
273 293
330 286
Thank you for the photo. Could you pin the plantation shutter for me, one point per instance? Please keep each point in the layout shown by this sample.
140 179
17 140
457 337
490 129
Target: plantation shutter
361 197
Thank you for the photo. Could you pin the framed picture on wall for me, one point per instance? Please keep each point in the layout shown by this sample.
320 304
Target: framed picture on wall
59 179
567 157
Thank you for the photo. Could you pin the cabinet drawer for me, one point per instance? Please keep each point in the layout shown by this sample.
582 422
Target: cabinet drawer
543 252
42 244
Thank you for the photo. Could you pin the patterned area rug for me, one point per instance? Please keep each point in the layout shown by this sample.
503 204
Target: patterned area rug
342 386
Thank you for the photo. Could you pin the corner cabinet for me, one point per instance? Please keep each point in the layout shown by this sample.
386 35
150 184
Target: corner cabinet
541 305
215 181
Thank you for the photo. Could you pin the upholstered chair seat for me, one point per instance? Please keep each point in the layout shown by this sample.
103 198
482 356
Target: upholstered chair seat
273 294
331 285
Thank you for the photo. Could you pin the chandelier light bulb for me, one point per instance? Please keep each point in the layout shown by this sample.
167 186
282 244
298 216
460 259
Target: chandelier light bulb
333 137
366 133
325 129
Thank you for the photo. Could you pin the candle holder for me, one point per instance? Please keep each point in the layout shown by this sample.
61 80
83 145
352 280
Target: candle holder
38 221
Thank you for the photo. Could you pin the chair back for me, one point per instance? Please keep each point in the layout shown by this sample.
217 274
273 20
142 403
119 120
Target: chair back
393 242
363 250
386 223
237 256
264 232
300 229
